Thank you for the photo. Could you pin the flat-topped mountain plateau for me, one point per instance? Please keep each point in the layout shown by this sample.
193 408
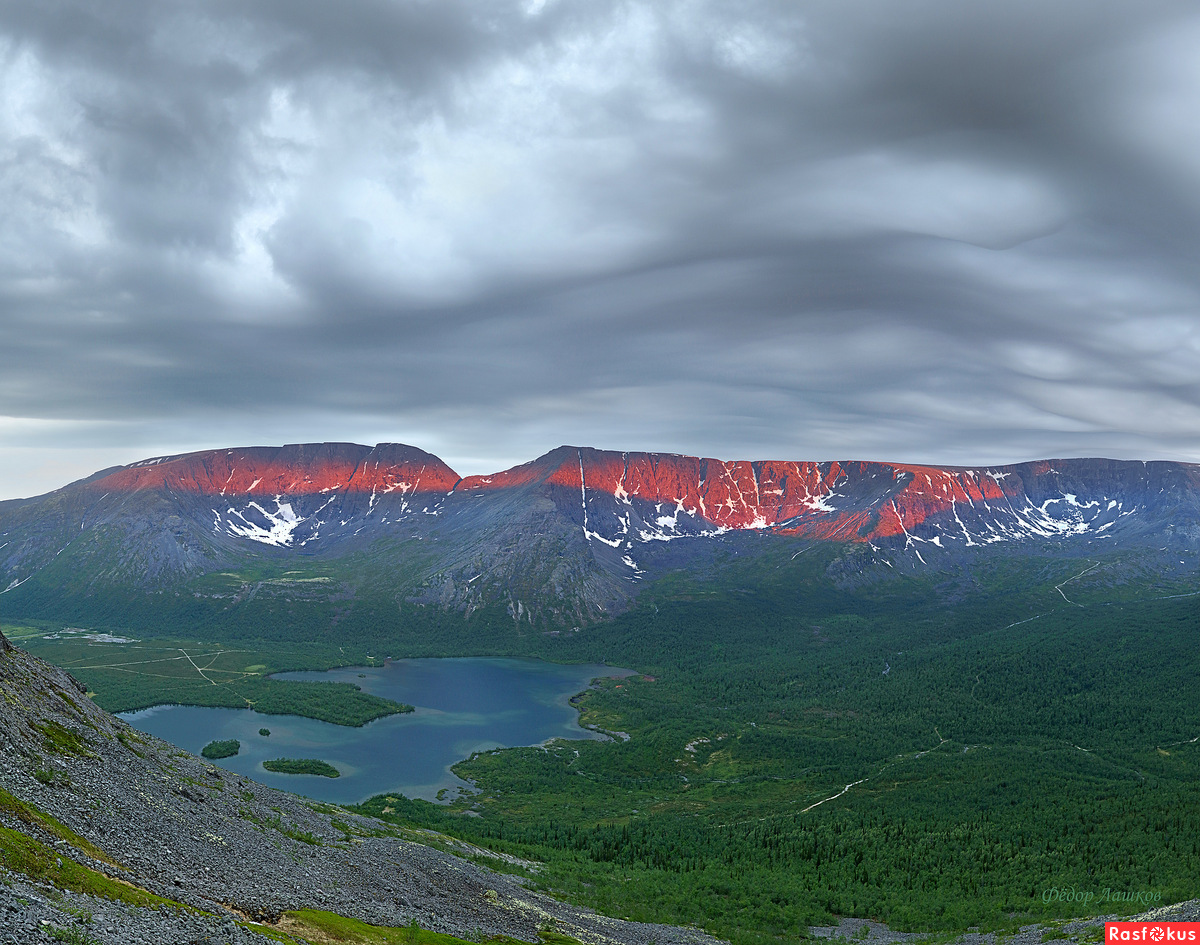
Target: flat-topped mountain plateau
556 543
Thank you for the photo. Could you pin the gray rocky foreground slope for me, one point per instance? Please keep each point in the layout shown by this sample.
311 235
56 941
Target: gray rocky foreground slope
224 845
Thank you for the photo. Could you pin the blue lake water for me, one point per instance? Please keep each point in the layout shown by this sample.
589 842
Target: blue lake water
462 706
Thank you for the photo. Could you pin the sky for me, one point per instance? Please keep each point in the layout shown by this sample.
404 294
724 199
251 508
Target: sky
929 231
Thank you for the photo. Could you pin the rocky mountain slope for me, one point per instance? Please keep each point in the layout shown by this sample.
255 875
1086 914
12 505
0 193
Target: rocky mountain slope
562 540
109 833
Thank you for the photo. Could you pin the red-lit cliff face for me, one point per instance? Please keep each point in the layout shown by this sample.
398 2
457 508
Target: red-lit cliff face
296 470
289 496
623 499
672 495
295 495
797 498
728 495
931 491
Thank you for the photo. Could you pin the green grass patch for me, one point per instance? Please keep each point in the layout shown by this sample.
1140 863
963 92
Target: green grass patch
59 739
128 738
302 766
269 931
27 813
50 777
41 863
73 936
328 927
276 823
18 633
221 749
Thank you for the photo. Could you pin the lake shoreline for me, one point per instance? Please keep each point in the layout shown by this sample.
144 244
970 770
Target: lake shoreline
462 705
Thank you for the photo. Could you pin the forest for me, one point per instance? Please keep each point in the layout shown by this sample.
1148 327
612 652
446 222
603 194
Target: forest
1004 746
937 750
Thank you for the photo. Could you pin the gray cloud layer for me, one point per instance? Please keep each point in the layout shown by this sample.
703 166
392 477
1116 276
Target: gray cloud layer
924 231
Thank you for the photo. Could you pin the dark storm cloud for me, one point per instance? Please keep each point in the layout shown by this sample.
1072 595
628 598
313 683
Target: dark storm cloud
926 231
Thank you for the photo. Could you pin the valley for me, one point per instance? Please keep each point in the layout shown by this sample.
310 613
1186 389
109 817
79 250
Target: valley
1017 742
599 473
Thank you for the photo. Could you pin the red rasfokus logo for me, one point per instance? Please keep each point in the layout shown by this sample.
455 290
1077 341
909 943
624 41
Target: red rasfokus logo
1154 933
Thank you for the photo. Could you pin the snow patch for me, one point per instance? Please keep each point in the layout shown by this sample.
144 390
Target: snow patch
15 584
819 503
908 539
282 523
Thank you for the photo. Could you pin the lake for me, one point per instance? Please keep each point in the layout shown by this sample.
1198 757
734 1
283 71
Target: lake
462 706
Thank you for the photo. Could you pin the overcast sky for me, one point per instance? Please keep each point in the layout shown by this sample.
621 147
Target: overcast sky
930 230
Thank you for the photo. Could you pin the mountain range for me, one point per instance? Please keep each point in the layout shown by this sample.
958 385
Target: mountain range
560 541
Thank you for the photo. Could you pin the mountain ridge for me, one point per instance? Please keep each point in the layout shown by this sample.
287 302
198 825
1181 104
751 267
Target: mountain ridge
795 497
568 537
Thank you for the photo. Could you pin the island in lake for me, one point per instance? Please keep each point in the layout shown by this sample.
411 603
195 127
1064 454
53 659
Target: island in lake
302 766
